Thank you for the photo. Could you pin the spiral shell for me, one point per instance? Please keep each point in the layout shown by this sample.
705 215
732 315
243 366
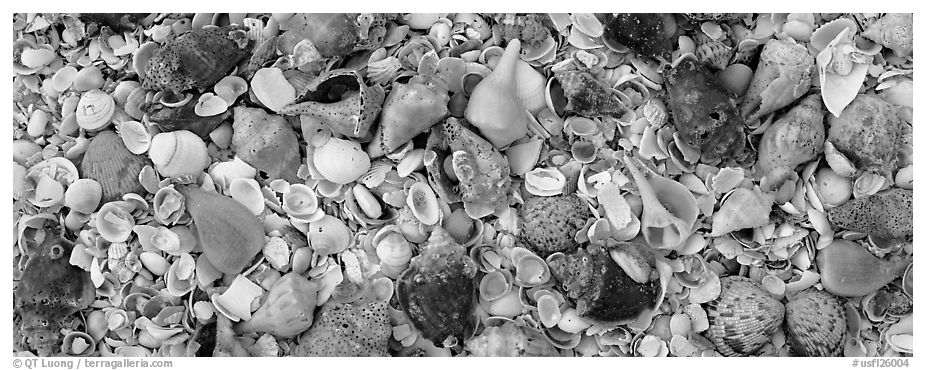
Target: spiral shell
177 153
95 110
110 163
341 161
743 318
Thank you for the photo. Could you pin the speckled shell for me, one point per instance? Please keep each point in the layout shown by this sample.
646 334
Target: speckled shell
110 163
816 323
438 290
743 318
347 330
197 59
645 33
411 109
794 139
266 142
868 132
550 224
888 214
341 161
340 99
585 95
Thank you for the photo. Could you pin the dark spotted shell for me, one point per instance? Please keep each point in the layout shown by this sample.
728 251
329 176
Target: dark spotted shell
816 323
744 317
585 95
110 163
197 59
645 33
347 330
550 224
888 214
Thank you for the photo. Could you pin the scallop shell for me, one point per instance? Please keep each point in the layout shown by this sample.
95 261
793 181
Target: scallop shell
341 161
743 318
177 153
83 196
135 136
508 305
110 163
78 343
247 192
423 203
95 110
329 235
180 277
114 223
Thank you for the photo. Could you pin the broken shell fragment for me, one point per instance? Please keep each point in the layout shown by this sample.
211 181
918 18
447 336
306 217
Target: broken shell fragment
114 223
545 182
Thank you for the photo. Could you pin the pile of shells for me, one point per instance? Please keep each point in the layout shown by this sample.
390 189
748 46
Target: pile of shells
463 184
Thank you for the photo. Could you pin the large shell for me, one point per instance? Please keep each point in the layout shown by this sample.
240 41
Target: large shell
888 214
669 208
848 270
550 224
794 139
646 33
783 76
95 110
197 59
347 330
743 318
743 208
580 93
816 323
494 106
341 161
437 291
267 142
410 109
868 132
229 234
110 163
329 235
178 153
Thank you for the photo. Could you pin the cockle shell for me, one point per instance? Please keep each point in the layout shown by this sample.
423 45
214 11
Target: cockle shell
178 153
423 203
743 318
341 161
549 224
329 235
114 223
816 323
95 110
110 163
135 136
83 195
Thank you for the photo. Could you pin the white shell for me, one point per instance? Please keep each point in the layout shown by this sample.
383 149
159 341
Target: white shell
135 136
341 161
272 88
209 105
95 110
154 262
531 87
114 223
367 202
83 195
229 88
247 192
178 153
277 253
329 235
180 277
235 303
423 203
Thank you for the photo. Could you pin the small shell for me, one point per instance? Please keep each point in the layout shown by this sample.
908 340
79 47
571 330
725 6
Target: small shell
545 182
523 157
329 235
495 285
88 78
95 110
78 343
209 105
272 89
83 195
341 161
180 277
508 305
831 188
38 121
114 223
423 203
235 303
584 151
393 250
549 310
141 56
581 126
63 79
736 78
177 153
135 136
531 271
907 281
571 322
301 203
247 192
155 263
277 253
587 23
230 88
367 202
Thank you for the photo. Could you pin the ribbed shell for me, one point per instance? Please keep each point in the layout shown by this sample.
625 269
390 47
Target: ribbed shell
743 318
110 163
816 324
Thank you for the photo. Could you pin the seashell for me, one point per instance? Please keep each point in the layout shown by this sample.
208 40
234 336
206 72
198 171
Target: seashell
736 78
530 87
347 330
907 281
165 147
794 139
580 126
154 262
831 188
783 76
210 105
247 192
64 78
647 34
114 223
288 309
571 322
23 149
235 302
900 335
662 228
549 223
887 214
229 88
341 100
272 89
95 110
894 31
522 157
135 103
743 318
329 235
109 162
83 196
530 270
848 270
215 50
587 23
228 233
266 142
584 151
545 182
341 161
393 250
301 203
38 121
495 285
423 203
87 79
742 209
409 110
494 106
180 276
135 136
867 133
367 202
78 343
816 324
123 90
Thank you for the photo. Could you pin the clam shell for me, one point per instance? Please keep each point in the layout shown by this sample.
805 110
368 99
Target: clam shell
272 89
329 235
584 151
508 305
123 90
78 343
177 153
209 105
423 203
95 110
63 78
367 202
300 202
154 262
38 121
393 250
743 318
571 322
135 102
495 284
229 88
135 136
247 192
109 162
341 161
531 270
83 195
114 223
180 276
88 78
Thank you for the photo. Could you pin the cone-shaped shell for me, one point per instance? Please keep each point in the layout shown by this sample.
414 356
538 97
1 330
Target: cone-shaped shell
266 142
794 139
743 208
95 110
229 234
847 269
816 324
341 161
178 153
743 318
494 107
669 208
110 163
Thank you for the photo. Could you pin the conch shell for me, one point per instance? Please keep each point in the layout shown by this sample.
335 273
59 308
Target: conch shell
334 34
783 75
669 208
894 31
266 142
868 132
341 100
410 109
743 208
197 59
794 139
494 107
580 93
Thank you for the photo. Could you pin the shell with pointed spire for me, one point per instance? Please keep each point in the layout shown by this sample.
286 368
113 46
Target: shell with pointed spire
669 208
494 106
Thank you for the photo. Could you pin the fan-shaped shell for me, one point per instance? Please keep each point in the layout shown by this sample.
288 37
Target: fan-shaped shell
95 110
177 153
329 235
341 161
110 163
393 250
743 318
